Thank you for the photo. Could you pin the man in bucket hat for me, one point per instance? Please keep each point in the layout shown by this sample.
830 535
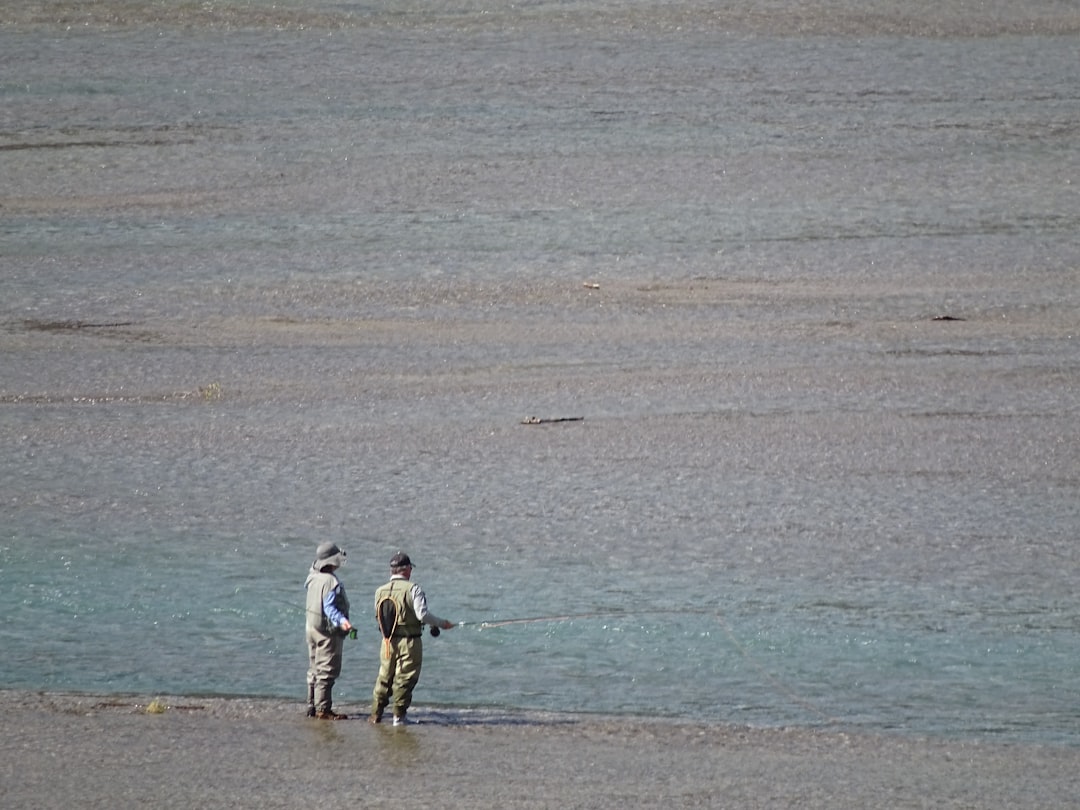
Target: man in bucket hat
401 611
327 625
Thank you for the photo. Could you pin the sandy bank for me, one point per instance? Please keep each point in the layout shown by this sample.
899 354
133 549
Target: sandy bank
96 751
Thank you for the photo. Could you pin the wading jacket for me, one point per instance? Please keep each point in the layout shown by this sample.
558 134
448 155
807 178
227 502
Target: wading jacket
327 603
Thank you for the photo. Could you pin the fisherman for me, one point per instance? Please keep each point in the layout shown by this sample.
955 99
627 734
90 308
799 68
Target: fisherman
401 611
327 625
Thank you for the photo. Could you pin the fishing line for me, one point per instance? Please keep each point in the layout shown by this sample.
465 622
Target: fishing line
566 617
349 633
294 606
777 685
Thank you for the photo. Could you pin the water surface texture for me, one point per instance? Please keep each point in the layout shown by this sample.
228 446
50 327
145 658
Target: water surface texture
803 278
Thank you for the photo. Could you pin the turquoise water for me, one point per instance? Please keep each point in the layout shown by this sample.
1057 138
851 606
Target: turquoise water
273 284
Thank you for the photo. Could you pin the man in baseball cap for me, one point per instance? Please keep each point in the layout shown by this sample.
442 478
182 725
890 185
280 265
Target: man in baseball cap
401 610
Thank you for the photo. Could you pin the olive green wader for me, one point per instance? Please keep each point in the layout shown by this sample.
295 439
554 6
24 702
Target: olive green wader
402 652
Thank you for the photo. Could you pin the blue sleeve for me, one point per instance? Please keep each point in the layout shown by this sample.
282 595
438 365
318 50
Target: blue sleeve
329 606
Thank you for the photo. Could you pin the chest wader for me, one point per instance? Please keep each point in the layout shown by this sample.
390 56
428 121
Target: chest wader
325 643
402 653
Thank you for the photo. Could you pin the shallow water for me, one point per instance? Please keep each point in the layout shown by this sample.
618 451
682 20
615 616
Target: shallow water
302 279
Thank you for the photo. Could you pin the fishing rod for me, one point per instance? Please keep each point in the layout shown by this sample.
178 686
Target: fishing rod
567 617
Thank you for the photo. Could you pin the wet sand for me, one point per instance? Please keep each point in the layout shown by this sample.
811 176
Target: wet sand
66 751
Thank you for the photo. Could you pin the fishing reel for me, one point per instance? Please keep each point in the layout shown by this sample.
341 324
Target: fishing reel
435 631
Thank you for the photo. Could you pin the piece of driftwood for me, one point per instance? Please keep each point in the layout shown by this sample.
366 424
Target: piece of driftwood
543 420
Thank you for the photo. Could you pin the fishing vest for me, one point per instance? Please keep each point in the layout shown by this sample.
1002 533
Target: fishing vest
398 591
319 584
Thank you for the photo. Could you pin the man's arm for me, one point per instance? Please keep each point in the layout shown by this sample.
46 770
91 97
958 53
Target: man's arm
420 605
333 615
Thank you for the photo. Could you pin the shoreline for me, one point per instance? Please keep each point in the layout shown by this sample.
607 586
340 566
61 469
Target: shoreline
64 749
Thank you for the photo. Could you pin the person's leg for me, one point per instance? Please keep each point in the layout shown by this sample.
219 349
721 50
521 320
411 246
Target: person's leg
327 668
384 683
311 676
410 658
